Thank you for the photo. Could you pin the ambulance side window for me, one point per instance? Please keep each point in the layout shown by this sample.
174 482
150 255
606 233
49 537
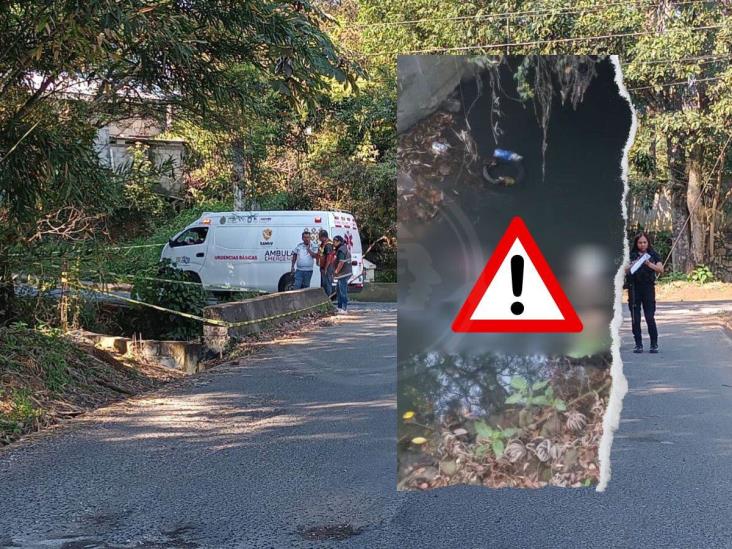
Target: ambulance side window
190 237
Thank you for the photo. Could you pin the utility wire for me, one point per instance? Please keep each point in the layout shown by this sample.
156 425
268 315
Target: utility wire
703 59
534 42
512 14
680 83
701 193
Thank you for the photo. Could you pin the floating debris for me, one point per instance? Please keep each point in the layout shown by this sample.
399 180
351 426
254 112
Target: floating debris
510 445
440 147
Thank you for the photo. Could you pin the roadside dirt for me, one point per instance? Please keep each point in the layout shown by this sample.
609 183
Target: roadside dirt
691 291
48 378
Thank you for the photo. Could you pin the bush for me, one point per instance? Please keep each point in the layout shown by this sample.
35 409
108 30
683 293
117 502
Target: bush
172 289
701 274
387 275
141 255
672 276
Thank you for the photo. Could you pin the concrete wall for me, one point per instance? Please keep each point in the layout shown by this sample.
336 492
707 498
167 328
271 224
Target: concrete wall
260 311
658 218
119 155
425 81
113 143
178 355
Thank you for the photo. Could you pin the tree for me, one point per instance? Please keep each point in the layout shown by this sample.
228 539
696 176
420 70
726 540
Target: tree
675 58
69 68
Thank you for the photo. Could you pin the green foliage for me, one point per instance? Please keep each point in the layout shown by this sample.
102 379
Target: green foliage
701 274
493 438
56 372
385 275
539 393
672 276
69 71
178 293
675 65
141 202
644 189
22 408
43 346
662 242
140 255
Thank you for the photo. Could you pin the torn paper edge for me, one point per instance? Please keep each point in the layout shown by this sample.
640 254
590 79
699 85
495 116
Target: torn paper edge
619 387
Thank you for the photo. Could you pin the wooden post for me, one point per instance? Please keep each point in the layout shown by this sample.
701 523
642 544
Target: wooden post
63 304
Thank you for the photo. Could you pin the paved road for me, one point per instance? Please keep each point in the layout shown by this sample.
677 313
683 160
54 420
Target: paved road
302 436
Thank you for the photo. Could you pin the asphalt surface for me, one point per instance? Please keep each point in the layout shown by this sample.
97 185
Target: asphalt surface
295 447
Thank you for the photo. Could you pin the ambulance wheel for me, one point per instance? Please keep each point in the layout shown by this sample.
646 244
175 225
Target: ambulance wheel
286 283
192 277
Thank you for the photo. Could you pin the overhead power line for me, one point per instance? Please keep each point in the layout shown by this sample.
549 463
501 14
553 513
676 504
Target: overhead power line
547 41
702 59
513 14
680 83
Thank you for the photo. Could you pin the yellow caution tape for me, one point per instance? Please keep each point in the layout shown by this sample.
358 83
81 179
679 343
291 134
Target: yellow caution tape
213 321
122 276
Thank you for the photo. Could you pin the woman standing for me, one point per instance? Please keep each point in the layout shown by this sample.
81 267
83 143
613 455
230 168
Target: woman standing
642 289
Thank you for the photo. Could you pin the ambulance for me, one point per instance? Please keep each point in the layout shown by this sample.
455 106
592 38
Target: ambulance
236 251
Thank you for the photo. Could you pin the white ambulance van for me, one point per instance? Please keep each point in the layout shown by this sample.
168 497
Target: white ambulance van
233 251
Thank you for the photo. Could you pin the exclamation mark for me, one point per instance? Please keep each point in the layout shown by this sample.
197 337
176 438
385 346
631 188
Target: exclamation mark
517 282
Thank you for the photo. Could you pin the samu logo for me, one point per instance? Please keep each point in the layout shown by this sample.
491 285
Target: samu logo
267 235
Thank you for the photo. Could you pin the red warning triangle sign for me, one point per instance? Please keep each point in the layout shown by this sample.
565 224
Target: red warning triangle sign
517 291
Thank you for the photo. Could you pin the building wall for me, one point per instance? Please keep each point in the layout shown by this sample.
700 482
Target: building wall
161 152
114 142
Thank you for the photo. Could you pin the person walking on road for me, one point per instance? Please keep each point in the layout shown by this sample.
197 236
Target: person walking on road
326 261
303 261
342 273
645 264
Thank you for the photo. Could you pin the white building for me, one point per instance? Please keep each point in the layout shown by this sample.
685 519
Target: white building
115 140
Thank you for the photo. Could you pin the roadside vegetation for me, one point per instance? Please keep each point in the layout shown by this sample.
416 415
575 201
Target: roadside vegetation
46 377
501 421
292 105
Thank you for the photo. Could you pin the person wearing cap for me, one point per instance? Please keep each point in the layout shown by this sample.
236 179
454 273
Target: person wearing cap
303 261
342 272
326 262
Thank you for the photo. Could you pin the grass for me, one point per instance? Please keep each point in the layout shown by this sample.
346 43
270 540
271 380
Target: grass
672 276
40 358
46 376
98 260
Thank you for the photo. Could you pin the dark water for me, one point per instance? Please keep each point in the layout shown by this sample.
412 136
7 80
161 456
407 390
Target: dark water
573 213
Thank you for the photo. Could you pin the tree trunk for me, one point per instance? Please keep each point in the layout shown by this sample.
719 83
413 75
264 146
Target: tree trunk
713 215
681 254
239 175
7 289
694 204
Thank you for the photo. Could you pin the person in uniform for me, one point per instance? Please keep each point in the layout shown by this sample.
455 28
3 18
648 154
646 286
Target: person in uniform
326 261
343 272
303 261
642 290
